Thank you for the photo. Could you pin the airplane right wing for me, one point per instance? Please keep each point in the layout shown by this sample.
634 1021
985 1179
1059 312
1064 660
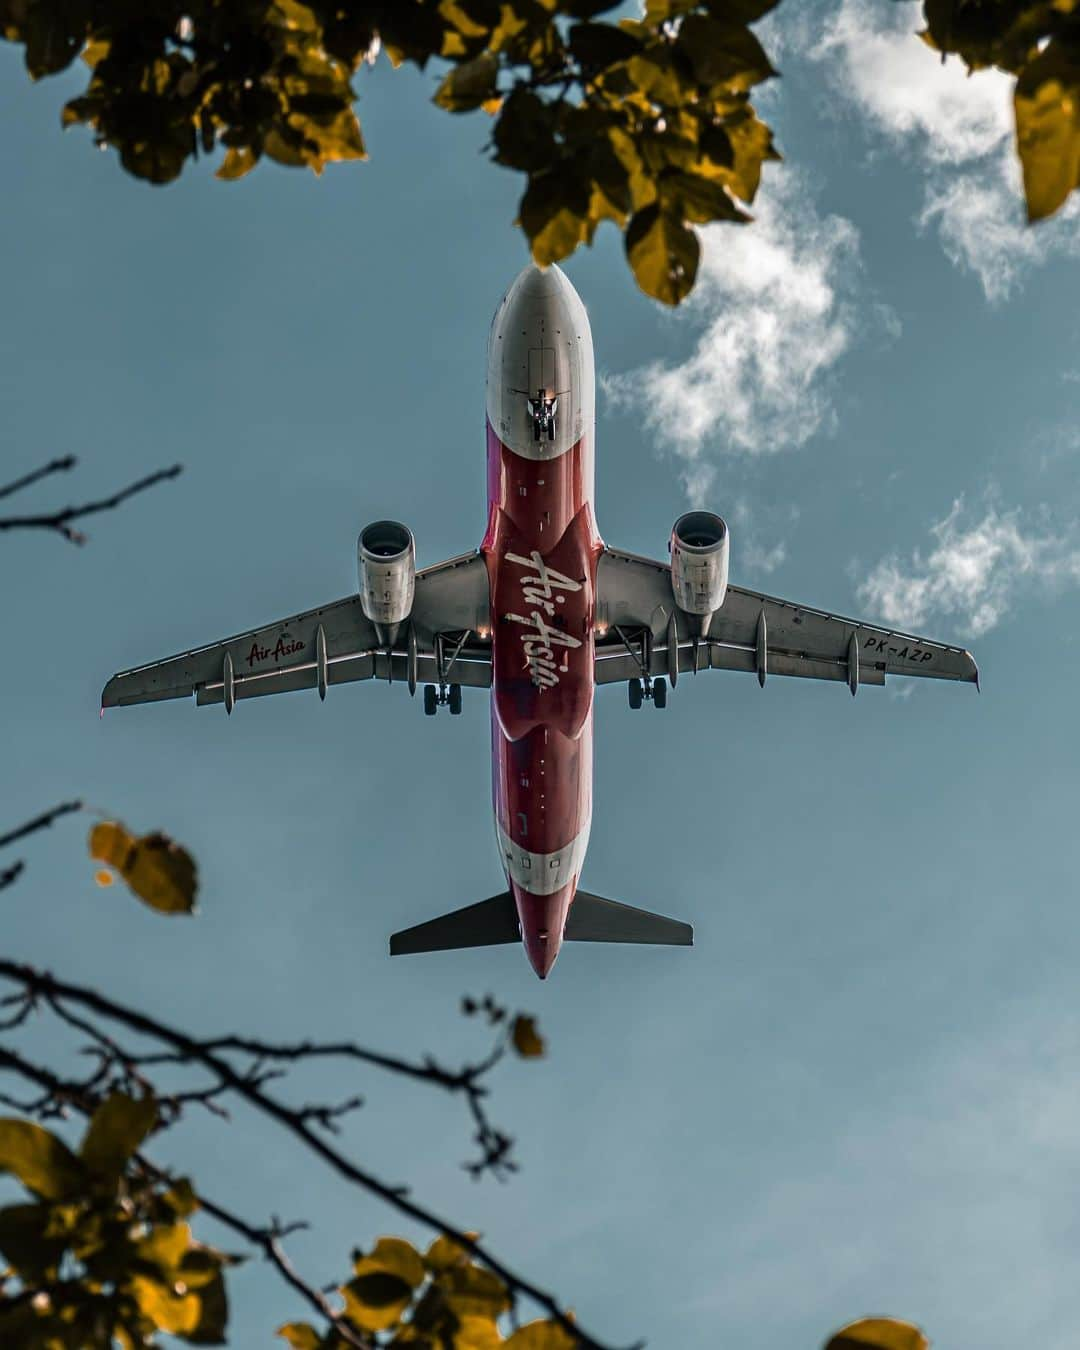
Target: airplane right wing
445 641
646 633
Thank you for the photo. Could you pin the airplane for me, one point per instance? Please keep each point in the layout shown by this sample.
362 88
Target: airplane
542 614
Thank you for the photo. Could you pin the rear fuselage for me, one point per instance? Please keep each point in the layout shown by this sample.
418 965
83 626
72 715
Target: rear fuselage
541 549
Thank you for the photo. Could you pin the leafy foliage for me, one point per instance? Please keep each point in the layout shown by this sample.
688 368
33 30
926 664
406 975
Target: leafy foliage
155 867
1038 41
101 1252
644 122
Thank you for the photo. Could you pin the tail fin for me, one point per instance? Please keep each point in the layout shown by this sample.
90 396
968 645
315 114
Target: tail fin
481 925
594 919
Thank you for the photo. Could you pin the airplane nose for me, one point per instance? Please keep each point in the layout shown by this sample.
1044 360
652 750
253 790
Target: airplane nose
534 283
542 918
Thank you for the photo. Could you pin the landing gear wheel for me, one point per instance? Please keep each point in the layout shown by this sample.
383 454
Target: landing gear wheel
455 700
633 689
431 700
659 692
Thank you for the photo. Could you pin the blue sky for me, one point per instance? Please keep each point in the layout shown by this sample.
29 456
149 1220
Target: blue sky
857 1094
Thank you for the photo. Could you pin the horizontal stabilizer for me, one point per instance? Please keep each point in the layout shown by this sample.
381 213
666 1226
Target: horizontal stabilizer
481 925
594 919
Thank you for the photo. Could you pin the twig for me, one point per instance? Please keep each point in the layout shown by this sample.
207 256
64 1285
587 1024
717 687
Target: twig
293 1122
60 521
39 822
53 466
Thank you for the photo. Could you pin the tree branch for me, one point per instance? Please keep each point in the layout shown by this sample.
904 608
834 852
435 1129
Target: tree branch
294 1123
11 874
53 466
60 521
267 1239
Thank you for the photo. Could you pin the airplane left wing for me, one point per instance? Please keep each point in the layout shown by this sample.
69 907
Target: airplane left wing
644 632
445 641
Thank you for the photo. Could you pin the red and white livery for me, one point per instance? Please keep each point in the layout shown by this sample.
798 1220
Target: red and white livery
541 615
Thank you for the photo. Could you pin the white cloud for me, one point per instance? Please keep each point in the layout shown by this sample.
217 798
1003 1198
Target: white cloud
773 305
974 572
960 125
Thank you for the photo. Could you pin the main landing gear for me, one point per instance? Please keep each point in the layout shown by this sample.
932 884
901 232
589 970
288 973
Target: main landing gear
639 690
447 695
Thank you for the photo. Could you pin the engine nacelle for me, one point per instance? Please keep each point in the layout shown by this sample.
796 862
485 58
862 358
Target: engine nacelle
386 559
699 562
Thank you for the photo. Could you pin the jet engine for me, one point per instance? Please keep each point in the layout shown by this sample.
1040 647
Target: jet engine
386 557
699 562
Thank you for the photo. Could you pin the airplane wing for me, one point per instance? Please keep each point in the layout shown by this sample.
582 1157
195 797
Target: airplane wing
445 641
643 631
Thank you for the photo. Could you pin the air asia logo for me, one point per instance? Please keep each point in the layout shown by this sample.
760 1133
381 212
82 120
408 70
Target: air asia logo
541 588
286 646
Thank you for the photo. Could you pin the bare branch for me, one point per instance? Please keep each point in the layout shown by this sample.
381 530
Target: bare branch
53 466
39 822
292 1121
60 521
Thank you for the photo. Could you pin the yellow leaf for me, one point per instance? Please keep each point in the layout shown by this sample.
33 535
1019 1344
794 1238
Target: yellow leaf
116 1130
663 253
527 1040
492 106
237 162
469 85
395 1256
376 1299
1047 104
158 871
165 1246
300 1335
541 1336
472 1291
878 1333
445 1252
477 1333
95 51
169 1311
104 878
43 1163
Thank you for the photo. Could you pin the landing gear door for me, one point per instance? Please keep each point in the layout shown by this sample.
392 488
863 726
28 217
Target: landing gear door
542 371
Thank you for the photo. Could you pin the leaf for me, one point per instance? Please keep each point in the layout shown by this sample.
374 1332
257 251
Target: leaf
27 1243
663 254
541 1336
596 45
201 1271
1047 104
472 1291
698 199
117 1128
237 162
524 135
396 1257
723 52
158 871
445 1252
376 1300
43 1163
300 1335
527 1041
878 1333
469 85
168 1310
554 213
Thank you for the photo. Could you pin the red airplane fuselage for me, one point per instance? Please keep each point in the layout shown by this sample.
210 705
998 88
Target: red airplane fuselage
541 549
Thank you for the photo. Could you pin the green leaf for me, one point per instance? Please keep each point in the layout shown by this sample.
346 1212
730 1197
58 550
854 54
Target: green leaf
878 1333
469 85
663 253
1047 104
117 1128
43 1163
